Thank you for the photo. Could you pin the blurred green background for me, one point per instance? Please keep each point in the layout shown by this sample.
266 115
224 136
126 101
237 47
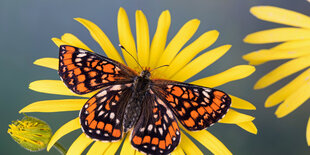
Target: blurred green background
27 26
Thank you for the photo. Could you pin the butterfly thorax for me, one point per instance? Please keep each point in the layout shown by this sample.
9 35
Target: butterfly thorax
141 85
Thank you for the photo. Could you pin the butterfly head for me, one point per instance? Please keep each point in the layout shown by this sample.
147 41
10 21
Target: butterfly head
145 74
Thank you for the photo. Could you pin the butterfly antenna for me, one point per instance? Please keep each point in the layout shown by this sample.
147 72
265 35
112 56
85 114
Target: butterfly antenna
122 47
159 67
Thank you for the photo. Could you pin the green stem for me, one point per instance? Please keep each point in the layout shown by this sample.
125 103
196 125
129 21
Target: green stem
62 150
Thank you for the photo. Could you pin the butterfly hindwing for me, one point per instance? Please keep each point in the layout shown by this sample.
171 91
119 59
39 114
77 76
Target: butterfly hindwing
83 71
196 107
101 117
156 131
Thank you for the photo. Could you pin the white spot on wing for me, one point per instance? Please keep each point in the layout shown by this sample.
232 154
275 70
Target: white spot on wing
150 127
112 115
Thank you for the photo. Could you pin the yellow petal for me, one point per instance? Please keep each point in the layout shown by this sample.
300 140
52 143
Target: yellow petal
239 103
65 129
143 38
281 16
127 148
269 55
59 42
283 71
189 52
160 38
308 132
277 35
113 147
232 74
292 44
54 87
73 40
79 145
47 62
98 148
297 98
178 151
126 39
55 105
188 146
210 142
248 126
200 63
101 39
184 34
234 117
287 90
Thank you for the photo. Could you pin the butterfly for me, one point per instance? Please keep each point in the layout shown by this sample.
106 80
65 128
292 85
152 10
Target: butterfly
129 101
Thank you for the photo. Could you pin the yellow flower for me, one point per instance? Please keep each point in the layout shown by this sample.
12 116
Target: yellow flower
295 47
182 66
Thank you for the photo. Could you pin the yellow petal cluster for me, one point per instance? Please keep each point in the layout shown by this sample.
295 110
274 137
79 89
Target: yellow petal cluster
183 64
294 47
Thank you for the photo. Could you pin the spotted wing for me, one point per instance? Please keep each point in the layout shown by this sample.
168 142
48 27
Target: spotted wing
195 107
101 117
83 71
156 131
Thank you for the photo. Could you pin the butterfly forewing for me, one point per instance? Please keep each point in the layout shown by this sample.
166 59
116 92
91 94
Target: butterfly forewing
156 131
101 117
195 107
83 71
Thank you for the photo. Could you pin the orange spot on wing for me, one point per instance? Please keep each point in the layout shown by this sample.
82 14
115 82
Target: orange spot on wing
108 68
137 140
70 49
81 78
67 56
81 87
71 67
86 69
175 126
190 122
169 98
171 131
93 64
217 101
107 106
91 108
186 104
67 61
218 94
92 73
90 117
168 140
209 110
201 111
190 93
108 128
77 71
155 141
146 139
116 133
93 124
194 114
162 144
177 91
91 101
214 106
99 68
110 78
158 122
100 125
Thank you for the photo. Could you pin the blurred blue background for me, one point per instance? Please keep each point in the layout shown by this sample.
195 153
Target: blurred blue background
26 29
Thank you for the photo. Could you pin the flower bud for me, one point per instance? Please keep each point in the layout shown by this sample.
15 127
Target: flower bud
31 133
